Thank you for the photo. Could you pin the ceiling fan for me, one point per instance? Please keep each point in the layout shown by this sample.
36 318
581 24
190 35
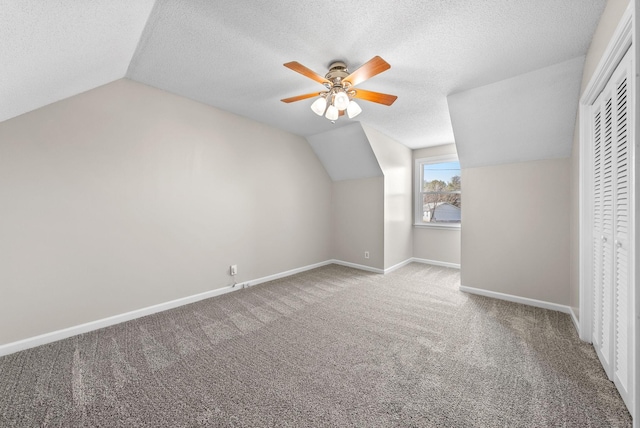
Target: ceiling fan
340 92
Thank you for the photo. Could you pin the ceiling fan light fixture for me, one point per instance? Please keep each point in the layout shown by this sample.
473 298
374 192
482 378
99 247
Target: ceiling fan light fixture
353 109
319 106
332 113
341 100
337 99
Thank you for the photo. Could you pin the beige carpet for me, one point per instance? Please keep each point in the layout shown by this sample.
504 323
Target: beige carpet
329 347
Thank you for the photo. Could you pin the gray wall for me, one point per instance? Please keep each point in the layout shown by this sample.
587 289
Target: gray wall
440 245
608 23
358 221
396 163
126 196
515 236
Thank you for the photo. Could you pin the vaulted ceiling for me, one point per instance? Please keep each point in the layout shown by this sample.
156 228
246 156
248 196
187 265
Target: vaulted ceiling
229 53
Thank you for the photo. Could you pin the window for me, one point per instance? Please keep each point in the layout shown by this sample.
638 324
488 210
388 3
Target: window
438 192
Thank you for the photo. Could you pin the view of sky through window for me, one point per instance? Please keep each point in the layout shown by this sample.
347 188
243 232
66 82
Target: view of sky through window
441 171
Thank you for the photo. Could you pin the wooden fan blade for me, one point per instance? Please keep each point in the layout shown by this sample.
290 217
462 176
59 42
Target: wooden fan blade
375 65
375 97
299 68
301 97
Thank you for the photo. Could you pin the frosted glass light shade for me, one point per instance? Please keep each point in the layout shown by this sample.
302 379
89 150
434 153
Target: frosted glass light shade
353 109
319 106
341 100
332 113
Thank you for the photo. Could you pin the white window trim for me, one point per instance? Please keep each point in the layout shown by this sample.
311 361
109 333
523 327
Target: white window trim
417 211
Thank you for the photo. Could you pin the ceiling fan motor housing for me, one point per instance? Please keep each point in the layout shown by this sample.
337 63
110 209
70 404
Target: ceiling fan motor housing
337 71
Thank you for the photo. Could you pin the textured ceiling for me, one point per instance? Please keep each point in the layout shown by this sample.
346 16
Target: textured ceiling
51 50
229 53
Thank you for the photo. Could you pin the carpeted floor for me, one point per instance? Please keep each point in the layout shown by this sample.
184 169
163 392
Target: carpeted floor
329 347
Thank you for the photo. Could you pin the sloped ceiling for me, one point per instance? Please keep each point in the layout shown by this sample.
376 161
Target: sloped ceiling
229 53
52 50
346 153
527 117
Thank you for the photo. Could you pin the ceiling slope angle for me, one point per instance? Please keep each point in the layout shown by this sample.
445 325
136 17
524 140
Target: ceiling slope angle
525 118
229 54
346 153
52 50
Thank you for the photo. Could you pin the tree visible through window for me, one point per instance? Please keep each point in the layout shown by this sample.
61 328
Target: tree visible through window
440 193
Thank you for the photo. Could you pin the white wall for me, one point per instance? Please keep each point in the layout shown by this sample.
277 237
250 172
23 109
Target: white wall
127 196
608 22
358 221
396 163
372 198
436 244
515 233
440 245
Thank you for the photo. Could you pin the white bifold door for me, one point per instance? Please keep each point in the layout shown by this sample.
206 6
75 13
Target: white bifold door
612 312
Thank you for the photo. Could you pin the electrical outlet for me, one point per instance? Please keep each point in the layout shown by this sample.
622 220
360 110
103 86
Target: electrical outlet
366 254
233 270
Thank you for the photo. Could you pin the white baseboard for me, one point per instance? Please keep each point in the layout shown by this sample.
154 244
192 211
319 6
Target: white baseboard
284 274
54 336
436 263
398 266
574 318
357 266
517 299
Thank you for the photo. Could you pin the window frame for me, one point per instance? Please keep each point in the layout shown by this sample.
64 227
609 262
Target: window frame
417 212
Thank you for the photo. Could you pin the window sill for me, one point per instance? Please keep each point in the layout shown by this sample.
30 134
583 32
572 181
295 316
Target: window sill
437 226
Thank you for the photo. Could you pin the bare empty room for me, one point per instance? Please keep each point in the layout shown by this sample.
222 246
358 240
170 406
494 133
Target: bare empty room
393 213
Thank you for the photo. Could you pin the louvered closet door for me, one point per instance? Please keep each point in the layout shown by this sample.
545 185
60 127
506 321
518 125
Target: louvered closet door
612 328
597 238
623 309
603 233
